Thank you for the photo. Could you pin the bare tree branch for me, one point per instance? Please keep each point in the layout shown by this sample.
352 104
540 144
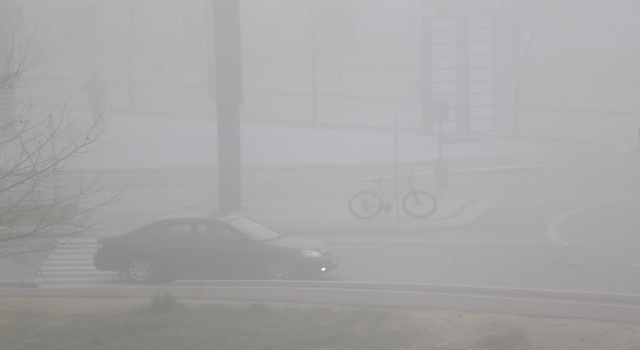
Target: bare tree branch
298 16
40 203
520 24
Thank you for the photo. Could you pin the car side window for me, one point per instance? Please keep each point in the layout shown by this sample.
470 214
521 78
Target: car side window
175 233
213 234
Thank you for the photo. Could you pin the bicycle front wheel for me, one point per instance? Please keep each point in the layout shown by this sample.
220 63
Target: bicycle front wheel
419 204
365 205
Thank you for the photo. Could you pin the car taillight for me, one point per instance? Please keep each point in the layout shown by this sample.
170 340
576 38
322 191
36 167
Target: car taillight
99 242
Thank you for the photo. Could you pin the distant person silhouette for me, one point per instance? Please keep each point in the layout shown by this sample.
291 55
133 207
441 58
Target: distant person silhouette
96 89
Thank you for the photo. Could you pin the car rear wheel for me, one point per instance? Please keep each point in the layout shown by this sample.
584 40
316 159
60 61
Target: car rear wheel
141 270
281 269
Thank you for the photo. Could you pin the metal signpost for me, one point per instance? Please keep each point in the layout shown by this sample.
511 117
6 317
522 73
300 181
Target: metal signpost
458 81
441 165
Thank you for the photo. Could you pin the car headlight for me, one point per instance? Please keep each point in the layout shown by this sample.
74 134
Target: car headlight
310 254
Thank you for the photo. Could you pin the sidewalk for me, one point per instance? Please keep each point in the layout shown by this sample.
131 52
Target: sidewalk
139 142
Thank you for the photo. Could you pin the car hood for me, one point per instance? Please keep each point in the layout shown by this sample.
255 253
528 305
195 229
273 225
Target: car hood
299 243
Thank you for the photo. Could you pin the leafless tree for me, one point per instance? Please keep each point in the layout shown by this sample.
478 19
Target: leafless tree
79 29
321 22
337 29
129 20
520 24
40 200
298 16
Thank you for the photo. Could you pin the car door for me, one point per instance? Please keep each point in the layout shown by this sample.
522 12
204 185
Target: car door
176 248
222 252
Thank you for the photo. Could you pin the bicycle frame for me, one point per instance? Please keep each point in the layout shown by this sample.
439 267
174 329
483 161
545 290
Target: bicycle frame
392 194
416 203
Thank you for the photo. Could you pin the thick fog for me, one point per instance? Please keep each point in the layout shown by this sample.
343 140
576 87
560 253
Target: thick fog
155 60
520 118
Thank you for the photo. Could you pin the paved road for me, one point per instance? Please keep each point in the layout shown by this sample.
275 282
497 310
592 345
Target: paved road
566 228
610 229
570 227
510 246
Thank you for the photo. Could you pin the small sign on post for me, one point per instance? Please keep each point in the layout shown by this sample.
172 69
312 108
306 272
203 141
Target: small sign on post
440 110
441 173
440 165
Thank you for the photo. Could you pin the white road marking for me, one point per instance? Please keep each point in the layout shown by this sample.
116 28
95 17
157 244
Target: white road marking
74 272
74 279
71 264
552 230
51 264
46 269
70 257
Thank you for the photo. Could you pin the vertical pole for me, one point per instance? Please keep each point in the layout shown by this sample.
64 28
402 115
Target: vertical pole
427 90
517 96
466 73
229 97
440 166
440 154
566 81
229 163
440 140
131 53
314 65
395 135
463 74
211 53
516 52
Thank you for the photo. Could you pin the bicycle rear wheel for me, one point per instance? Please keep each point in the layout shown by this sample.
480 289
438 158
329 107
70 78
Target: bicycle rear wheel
365 205
419 204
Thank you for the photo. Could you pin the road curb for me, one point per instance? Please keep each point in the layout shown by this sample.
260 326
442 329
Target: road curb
632 299
196 289
511 301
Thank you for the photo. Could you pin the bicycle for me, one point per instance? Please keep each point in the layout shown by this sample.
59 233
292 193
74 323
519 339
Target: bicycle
367 204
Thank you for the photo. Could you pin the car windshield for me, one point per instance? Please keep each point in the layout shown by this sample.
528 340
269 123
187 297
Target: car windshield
254 230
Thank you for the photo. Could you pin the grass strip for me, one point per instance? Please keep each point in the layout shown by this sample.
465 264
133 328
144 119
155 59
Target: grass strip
167 324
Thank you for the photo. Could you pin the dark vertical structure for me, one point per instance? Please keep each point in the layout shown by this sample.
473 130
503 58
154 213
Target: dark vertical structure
228 96
427 84
463 75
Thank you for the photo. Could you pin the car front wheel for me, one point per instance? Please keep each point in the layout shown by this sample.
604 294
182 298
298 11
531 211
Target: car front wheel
281 269
141 270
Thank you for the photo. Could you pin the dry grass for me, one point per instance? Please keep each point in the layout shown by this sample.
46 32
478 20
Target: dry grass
418 329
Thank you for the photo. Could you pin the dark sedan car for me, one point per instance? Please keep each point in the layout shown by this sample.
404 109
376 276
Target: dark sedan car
212 246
